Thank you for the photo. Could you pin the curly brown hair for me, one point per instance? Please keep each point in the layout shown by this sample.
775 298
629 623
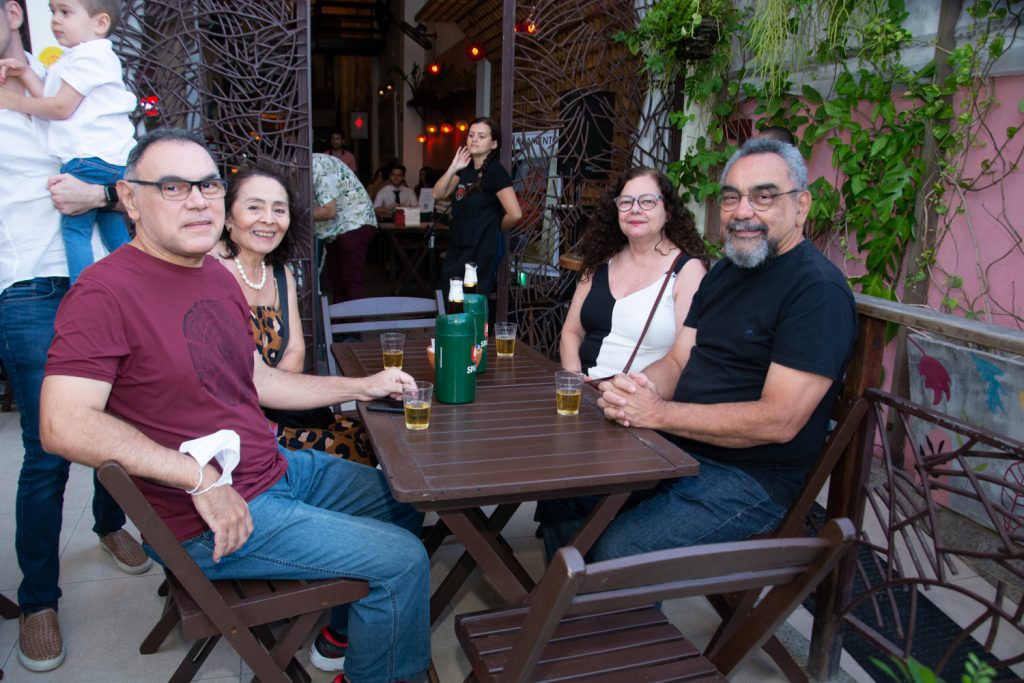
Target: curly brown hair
603 238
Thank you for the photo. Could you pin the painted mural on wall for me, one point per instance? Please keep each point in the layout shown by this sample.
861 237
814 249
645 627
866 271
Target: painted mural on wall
984 390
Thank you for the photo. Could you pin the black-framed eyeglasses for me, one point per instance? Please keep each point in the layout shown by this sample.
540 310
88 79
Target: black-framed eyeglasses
179 190
624 202
760 200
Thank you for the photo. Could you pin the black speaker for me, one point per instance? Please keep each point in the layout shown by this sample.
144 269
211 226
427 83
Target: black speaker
585 137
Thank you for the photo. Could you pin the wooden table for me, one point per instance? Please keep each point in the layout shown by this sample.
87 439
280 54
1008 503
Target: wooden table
424 248
508 447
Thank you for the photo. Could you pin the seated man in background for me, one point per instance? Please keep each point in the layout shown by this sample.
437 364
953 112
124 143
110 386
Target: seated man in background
153 348
749 384
394 193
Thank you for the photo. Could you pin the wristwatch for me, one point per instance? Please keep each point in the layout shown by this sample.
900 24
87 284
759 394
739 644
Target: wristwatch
110 194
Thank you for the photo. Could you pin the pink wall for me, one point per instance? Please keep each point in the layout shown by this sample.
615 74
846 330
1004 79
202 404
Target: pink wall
983 245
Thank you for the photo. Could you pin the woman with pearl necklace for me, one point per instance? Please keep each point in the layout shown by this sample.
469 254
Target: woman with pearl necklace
260 208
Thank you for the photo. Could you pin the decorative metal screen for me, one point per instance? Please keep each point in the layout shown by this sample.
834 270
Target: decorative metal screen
928 585
582 109
237 73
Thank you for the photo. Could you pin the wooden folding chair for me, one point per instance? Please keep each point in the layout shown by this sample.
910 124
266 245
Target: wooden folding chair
240 611
793 524
378 313
598 621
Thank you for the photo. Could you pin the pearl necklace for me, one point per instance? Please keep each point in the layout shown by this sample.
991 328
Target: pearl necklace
245 278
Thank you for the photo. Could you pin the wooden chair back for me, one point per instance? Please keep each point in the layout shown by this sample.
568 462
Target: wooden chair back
555 635
848 424
237 610
379 313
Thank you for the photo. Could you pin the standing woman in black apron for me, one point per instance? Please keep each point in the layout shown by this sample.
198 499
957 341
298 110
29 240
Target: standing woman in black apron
483 204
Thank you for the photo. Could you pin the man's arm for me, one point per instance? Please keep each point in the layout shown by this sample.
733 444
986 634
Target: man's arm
72 196
294 391
787 400
73 423
664 372
326 212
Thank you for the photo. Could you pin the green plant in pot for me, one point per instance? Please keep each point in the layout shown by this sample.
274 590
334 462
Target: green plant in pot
674 32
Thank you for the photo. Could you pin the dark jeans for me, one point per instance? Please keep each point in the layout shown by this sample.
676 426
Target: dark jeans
346 263
77 230
722 503
27 310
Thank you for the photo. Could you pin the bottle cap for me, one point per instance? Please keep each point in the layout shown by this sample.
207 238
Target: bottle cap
470 277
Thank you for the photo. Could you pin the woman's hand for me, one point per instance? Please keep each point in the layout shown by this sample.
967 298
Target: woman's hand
461 160
389 382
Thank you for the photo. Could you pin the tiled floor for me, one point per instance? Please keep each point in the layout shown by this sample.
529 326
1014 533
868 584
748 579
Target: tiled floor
105 613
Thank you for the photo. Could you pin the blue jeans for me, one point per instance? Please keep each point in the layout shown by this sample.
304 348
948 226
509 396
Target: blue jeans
722 503
328 517
27 310
77 230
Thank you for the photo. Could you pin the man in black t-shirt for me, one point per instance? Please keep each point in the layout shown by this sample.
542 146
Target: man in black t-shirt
748 387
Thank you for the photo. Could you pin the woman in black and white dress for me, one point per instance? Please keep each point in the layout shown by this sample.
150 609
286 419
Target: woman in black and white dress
639 231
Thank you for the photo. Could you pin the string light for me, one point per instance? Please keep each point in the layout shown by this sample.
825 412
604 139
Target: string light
475 51
446 128
434 68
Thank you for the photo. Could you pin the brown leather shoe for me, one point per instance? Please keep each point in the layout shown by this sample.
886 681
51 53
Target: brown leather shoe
40 647
126 551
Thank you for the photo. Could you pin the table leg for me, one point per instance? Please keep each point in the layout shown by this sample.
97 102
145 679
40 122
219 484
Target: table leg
597 521
435 537
482 539
410 267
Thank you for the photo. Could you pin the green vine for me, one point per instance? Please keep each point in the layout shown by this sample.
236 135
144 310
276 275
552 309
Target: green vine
876 120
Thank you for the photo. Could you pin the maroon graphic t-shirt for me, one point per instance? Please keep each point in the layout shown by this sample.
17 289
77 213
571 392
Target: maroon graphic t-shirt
175 345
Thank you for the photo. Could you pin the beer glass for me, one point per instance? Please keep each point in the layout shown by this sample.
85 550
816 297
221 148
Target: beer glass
392 346
505 339
417 405
568 392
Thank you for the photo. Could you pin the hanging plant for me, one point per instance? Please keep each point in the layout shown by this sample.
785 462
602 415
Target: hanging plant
673 33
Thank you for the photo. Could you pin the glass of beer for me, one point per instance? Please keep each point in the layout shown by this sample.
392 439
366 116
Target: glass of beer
392 345
417 405
568 392
505 338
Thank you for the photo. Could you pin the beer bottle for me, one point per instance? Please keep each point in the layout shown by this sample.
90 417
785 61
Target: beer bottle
469 281
456 299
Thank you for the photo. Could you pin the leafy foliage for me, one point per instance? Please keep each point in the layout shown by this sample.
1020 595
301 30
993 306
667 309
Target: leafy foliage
876 120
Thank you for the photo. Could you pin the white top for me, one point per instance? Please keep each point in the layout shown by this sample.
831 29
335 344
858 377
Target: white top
100 126
386 196
30 241
628 317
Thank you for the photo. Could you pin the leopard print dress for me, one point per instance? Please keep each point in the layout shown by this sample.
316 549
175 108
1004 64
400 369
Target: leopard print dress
345 438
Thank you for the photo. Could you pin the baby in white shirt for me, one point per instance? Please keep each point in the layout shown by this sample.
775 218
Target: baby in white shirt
85 106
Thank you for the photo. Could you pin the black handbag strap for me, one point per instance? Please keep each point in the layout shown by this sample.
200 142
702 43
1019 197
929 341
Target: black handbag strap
654 308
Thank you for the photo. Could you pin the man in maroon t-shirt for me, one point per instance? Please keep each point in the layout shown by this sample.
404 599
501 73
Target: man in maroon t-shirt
153 349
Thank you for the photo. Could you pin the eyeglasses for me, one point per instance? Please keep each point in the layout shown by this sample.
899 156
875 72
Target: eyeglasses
647 201
179 190
760 200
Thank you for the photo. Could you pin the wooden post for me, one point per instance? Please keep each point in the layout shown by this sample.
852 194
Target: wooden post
845 499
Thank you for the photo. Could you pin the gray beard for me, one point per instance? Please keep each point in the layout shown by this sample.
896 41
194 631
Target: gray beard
748 259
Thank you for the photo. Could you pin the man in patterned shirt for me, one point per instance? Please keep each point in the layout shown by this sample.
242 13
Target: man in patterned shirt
343 217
